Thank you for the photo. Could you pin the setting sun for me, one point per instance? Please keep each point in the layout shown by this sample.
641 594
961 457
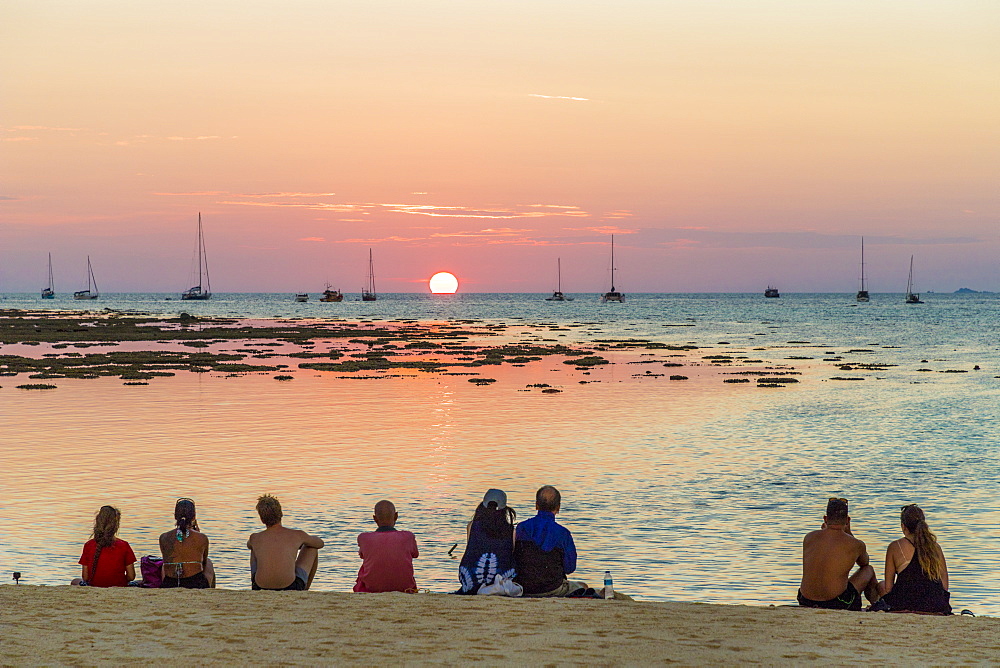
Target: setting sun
443 283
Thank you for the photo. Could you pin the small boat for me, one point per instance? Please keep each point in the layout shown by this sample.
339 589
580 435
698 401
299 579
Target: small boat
862 295
302 297
368 292
558 295
612 295
911 296
91 292
49 292
772 292
331 295
199 292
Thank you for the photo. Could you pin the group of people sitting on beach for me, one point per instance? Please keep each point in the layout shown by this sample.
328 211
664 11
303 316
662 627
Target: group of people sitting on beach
916 575
532 558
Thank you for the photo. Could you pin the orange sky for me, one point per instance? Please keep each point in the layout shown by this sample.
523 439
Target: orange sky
729 144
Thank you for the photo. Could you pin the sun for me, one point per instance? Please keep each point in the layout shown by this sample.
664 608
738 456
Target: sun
443 283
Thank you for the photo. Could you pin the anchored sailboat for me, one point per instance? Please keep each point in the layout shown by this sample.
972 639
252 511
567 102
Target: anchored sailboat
368 292
558 295
49 292
198 291
911 296
862 295
612 295
91 292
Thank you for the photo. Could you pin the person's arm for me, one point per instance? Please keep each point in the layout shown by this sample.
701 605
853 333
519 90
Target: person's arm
312 541
890 570
204 558
414 552
84 573
863 558
569 554
944 569
130 571
468 531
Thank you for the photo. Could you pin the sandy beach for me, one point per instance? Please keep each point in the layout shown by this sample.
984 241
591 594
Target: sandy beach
77 626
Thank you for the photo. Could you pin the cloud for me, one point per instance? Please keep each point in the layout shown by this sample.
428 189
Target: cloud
376 241
318 239
429 210
9 198
284 194
200 137
488 232
560 97
18 138
19 128
213 193
603 229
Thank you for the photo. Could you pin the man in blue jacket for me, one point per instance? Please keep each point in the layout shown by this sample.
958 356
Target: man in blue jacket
544 552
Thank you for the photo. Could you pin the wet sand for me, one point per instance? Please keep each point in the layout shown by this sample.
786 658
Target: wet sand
80 626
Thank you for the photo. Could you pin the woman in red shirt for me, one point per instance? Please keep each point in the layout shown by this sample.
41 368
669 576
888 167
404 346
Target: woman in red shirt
107 560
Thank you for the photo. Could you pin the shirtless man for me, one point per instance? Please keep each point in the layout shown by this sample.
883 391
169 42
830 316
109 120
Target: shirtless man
827 558
281 558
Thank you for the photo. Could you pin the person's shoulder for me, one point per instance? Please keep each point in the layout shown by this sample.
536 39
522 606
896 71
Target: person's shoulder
121 543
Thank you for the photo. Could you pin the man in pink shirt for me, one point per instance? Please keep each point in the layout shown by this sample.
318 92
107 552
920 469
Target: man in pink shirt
388 554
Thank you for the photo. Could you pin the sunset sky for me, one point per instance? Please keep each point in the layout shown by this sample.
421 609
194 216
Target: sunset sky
727 144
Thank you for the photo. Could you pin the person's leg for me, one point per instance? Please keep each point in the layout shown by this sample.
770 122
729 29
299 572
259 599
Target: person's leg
308 561
210 573
865 580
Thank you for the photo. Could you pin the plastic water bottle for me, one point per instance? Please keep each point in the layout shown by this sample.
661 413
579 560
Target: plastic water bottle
609 586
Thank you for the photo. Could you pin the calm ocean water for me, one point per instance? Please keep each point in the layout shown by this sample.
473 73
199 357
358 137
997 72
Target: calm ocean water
686 491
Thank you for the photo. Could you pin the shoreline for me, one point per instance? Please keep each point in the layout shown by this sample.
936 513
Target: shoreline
72 625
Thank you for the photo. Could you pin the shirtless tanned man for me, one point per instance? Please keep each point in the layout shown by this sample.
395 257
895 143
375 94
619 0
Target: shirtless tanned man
281 558
828 555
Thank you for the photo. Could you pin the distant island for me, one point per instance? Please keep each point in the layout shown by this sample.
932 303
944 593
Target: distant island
969 291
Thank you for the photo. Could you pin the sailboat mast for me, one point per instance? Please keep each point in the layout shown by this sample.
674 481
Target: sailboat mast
51 286
612 263
862 264
371 271
200 243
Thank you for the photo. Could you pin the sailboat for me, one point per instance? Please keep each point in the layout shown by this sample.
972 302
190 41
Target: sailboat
862 295
368 292
911 296
199 292
49 292
612 295
558 296
91 292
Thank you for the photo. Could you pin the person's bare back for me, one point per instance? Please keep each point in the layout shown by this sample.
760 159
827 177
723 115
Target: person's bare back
281 558
828 555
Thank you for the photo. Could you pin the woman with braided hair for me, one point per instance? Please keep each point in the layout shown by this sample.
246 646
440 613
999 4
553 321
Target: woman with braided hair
107 560
185 551
916 575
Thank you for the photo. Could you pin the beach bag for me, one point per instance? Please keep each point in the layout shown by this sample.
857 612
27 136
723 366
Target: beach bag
152 571
501 586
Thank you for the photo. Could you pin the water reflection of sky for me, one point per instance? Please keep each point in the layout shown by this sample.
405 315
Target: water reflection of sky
688 491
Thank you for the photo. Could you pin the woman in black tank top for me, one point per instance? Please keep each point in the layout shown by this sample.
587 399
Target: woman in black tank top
916 575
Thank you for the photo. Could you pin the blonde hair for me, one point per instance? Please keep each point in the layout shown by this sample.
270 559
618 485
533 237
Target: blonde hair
925 542
269 509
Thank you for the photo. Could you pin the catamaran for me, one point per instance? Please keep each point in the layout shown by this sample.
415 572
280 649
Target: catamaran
204 288
49 292
862 295
558 295
91 292
612 295
911 296
368 292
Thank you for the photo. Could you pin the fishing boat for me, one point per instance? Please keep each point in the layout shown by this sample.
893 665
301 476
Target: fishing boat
49 292
612 295
91 292
204 288
771 292
558 295
302 297
368 292
862 295
331 295
911 296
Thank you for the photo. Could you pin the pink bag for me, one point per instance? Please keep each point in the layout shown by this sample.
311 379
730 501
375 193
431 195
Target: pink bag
152 571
